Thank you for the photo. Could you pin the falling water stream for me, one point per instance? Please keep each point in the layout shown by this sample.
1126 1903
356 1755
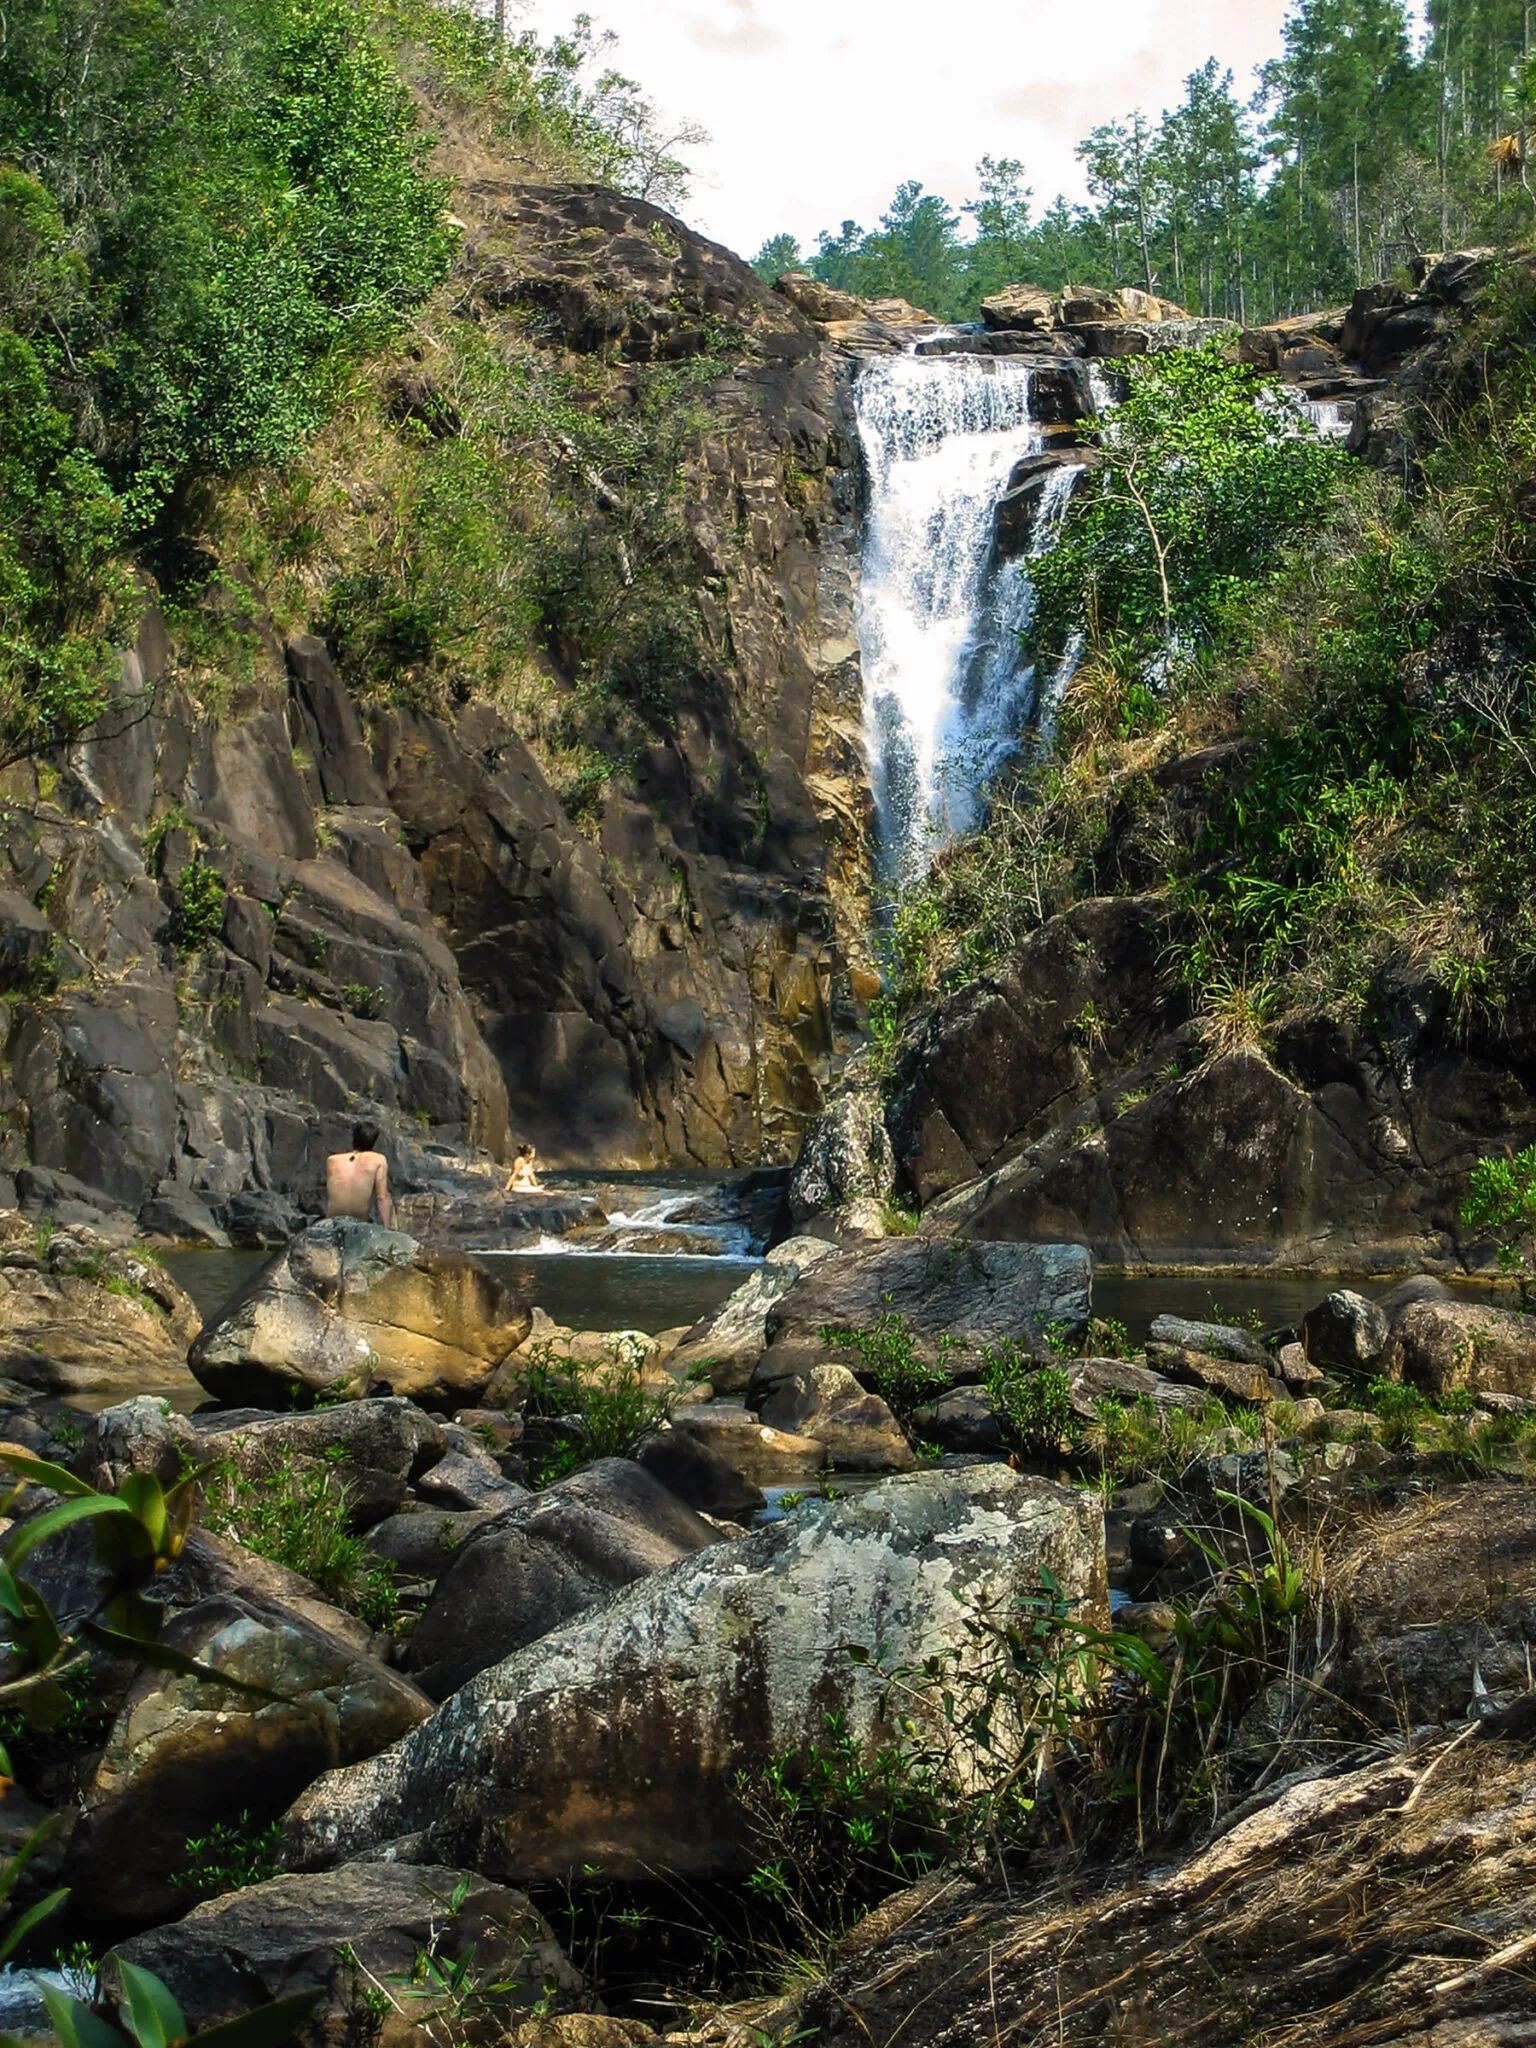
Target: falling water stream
947 690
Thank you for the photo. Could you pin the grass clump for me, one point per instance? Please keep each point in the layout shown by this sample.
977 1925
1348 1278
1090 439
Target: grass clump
298 1514
574 1414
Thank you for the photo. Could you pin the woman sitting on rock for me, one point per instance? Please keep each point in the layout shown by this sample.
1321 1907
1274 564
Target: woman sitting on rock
523 1180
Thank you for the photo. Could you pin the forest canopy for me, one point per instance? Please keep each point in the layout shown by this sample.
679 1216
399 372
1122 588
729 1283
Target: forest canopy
1355 152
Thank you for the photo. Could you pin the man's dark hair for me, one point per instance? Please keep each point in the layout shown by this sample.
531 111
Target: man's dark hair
365 1137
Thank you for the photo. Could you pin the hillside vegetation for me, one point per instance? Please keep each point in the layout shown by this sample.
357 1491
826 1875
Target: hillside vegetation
1378 133
1316 740
225 255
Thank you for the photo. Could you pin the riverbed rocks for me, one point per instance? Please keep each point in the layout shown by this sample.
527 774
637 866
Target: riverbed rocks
358 1934
546 1560
615 1741
955 1298
349 1307
729 1342
80 1314
757 1453
1444 1347
1345 1332
826 1403
186 1754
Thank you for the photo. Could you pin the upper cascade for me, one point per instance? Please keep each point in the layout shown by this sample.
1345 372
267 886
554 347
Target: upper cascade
947 690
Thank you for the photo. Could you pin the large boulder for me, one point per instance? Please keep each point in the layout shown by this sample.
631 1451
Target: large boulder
1442 1347
1345 1332
1216 1340
826 1403
1019 305
376 1449
186 1753
756 1452
355 1933
527 1572
616 1741
730 1341
350 1308
955 1296
699 1476
81 1315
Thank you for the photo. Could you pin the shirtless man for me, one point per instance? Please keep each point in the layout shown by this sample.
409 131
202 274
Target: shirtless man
358 1180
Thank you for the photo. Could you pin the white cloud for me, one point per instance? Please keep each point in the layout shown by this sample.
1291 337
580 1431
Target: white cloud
818 108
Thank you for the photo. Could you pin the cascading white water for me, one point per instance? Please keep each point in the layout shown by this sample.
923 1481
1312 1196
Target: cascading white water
946 688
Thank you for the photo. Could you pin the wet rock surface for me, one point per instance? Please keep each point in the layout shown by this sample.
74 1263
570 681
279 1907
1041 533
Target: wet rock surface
967 1292
186 1754
351 1932
81 1314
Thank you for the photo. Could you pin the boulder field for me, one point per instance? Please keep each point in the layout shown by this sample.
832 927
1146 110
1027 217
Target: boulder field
503 1690
616 1740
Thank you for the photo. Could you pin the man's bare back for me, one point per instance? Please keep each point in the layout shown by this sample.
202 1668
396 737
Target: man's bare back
357 1180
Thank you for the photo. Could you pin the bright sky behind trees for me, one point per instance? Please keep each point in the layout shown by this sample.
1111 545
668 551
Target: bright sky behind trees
817 109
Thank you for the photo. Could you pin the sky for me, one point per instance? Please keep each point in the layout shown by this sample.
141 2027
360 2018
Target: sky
817 109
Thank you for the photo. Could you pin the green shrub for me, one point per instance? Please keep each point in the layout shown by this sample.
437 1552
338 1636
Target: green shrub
573 1414
1033 1401
888 1358
1501 1202
199 915
1196 501
232 1855
298 1514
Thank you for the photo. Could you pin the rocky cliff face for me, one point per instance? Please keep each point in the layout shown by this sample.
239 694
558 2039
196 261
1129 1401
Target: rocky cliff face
1070 1095
409 920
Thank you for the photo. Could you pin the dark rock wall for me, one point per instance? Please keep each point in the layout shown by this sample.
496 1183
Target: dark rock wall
1068 1095
413 924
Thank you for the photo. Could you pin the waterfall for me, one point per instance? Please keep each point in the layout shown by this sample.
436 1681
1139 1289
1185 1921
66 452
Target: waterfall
946 689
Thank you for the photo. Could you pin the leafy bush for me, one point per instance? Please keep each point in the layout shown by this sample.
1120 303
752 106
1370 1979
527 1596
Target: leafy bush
299 1516
1203 484
574 1414
247 181
1033 1401
1501 1201
834 1831
232 1855
199 915
888 1358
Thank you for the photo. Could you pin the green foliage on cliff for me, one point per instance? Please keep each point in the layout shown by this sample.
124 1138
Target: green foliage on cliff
241 191
1205 481
1358 720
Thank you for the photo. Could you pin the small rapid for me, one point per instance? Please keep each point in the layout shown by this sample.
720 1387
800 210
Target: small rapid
947 691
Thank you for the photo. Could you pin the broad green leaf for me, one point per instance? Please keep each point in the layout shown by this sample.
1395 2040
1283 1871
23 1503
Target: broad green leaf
26 1539
268 2027
75 2024
154 2017
43 1472
21 1927
141 1493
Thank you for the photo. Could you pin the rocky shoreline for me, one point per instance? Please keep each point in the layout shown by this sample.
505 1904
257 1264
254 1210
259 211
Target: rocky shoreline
578 1599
